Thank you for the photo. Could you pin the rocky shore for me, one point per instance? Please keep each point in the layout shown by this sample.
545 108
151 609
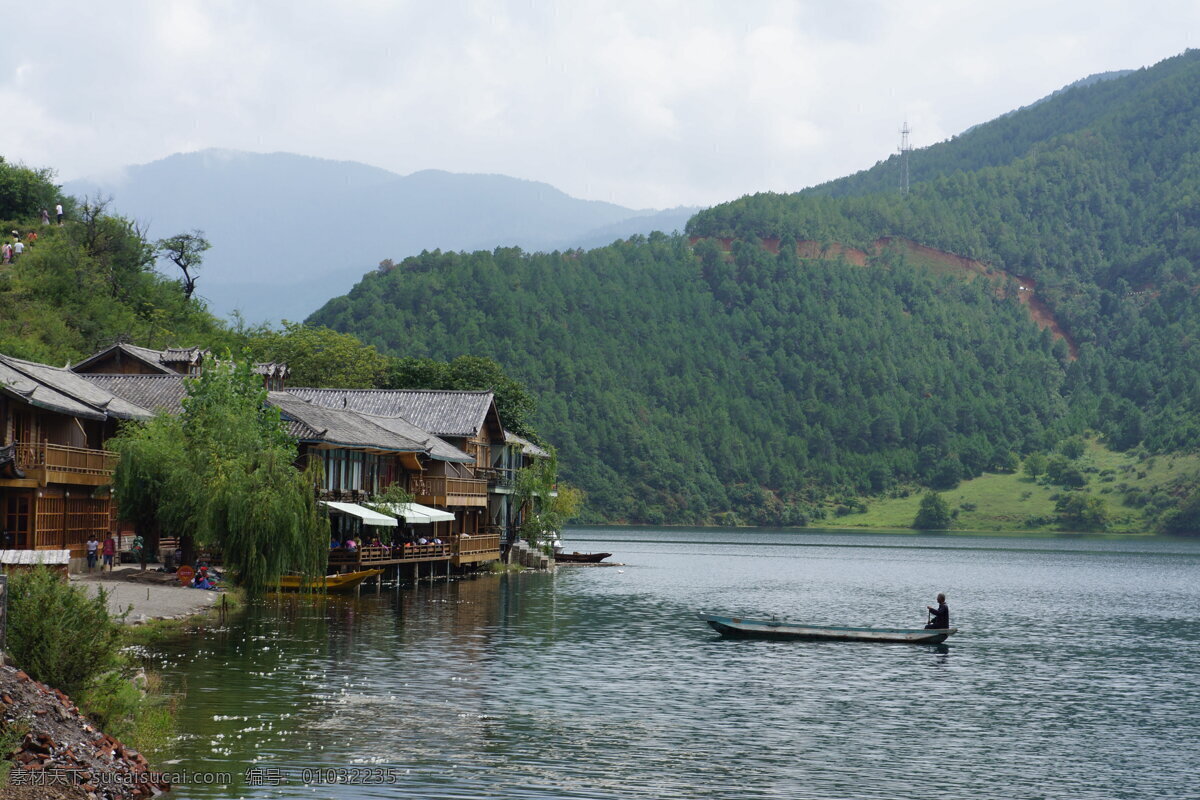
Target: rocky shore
61 755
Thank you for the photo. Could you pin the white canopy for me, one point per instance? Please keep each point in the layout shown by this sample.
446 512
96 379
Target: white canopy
368 516
417 514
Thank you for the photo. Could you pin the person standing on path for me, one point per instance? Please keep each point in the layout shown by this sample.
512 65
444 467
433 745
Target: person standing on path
109 552
58 209
18 248
45 217
138 549
92 546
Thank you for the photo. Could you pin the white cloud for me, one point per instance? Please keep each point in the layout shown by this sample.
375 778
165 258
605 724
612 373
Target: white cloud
650 103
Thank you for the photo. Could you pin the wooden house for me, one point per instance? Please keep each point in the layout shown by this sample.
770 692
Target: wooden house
54 472
128 359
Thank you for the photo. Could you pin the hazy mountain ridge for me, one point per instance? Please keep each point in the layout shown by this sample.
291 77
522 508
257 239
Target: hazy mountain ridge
290 231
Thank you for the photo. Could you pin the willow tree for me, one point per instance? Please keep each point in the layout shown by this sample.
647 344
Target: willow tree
546 503
224 476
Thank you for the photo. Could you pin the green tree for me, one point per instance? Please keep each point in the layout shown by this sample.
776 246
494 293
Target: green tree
548 504
186 251
1035 465
1073 447
1081 511
933 514
234 486
320 357
1184 520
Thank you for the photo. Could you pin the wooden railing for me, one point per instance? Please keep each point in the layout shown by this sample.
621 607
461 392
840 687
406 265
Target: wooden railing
440 490
79 461
482 544
500 477
368 556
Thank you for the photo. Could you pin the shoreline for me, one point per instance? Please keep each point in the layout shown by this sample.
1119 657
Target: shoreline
1046 534
143 597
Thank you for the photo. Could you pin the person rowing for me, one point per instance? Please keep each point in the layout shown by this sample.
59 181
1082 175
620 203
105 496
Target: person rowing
940 615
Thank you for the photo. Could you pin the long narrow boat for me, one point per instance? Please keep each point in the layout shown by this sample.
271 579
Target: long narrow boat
581 558
741 628
344 582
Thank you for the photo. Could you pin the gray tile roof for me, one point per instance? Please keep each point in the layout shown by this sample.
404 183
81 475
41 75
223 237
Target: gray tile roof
159 359
306 421
61 390
527 447
445 413
157 393
438 448
335 426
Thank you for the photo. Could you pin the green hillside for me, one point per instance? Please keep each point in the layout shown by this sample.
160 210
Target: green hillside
688 385
80 287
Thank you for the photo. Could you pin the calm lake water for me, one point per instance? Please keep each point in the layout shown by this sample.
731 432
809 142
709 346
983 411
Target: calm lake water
1076 674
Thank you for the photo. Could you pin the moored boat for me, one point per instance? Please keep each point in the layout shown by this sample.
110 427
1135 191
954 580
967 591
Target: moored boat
343 582
581 558
742 628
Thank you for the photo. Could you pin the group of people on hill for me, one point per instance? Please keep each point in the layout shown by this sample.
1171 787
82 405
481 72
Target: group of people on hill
11 251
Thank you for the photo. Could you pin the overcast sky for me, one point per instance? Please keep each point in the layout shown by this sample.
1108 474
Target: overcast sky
647 103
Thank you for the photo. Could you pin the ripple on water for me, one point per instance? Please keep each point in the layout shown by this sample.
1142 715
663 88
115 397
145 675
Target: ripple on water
1075 676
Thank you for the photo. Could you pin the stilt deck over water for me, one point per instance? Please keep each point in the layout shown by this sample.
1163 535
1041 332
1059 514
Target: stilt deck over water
462 550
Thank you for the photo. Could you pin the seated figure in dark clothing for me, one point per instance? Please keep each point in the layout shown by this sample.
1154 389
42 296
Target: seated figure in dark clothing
941 614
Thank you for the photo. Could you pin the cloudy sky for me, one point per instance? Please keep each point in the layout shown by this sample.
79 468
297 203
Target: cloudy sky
648 103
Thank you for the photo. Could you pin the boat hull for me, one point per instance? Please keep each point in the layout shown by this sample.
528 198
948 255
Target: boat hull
742 628
345 582
581 558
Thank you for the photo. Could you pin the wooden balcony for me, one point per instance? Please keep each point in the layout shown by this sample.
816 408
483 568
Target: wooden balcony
368 557
500 479
56 463
434 490
473 549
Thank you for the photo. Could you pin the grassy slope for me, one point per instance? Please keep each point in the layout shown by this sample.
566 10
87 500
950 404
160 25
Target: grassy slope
1004 502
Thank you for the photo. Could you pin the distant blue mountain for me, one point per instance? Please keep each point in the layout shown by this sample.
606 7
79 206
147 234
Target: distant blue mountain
289 232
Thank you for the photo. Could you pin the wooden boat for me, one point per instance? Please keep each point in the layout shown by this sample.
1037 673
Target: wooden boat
343 582
581 558
741 628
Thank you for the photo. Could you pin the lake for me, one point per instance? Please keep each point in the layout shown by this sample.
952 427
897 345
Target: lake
1076 674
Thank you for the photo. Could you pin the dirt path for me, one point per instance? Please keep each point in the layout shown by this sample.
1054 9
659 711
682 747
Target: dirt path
149 595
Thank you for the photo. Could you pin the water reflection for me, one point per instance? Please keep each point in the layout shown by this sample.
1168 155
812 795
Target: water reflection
599 683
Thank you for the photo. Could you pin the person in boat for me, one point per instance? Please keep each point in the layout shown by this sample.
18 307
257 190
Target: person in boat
941 614
351 545
335 543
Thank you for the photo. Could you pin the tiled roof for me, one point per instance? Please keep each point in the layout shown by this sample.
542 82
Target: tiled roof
437 447
446 413
156 393
527 447
306 421
61 390
335 426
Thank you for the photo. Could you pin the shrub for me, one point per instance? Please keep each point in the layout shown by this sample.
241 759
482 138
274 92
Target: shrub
57 633
934 513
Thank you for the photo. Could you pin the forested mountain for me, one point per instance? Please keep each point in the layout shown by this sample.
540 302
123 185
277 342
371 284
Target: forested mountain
313 226
684 384
1105 219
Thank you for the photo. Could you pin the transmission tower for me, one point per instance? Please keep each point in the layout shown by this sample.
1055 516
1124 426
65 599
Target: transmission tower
905 149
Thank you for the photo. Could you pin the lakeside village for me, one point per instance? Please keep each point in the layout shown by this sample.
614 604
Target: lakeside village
446 449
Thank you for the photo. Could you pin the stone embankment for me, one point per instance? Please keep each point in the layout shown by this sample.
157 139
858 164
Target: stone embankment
61 754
